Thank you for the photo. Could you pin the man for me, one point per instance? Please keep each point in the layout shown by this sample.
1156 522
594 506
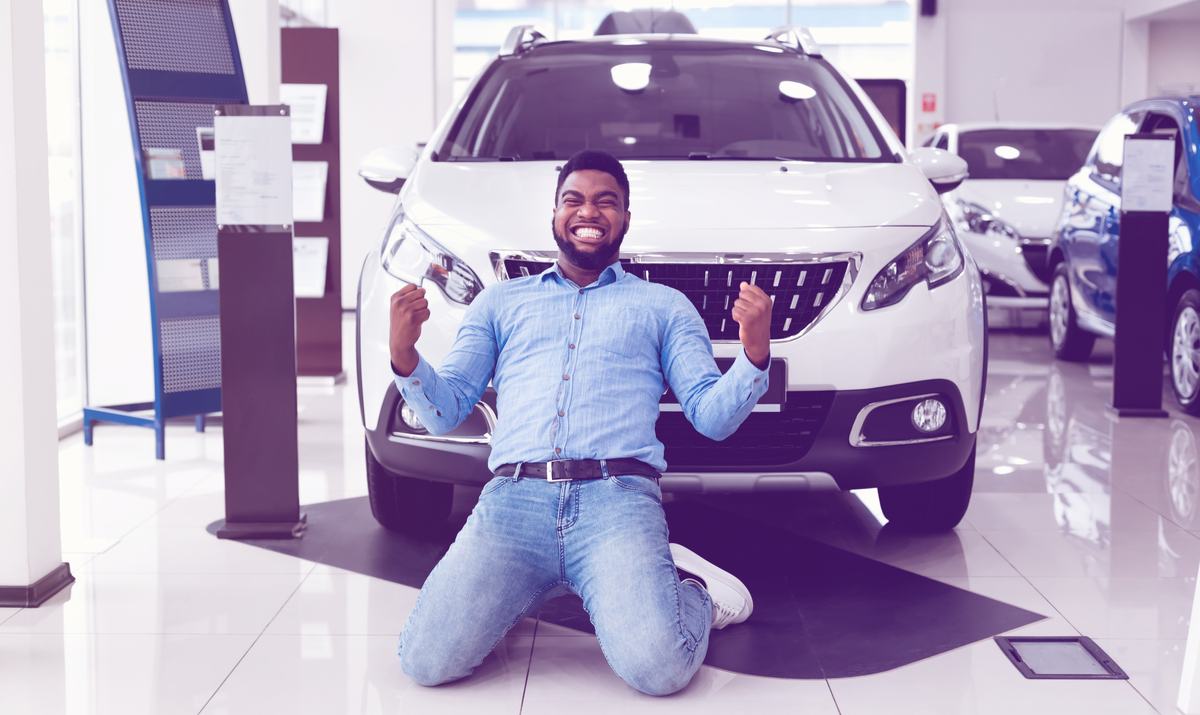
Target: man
578 356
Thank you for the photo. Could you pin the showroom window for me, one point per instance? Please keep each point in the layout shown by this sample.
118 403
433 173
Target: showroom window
66 233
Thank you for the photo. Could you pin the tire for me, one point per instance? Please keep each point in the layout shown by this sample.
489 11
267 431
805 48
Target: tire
930 506
406 505
1185 352
1069 341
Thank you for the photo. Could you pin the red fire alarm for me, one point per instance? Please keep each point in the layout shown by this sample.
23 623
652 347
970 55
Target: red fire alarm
929 102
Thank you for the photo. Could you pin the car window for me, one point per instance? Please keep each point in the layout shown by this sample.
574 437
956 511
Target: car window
675 103
1109 150
1033 154
943 141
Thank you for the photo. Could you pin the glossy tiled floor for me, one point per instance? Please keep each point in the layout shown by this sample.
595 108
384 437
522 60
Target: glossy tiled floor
1091 521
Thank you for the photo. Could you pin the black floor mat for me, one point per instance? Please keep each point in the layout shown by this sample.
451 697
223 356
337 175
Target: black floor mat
820 611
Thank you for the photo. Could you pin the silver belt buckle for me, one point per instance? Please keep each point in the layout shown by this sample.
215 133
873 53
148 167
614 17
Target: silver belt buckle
550 470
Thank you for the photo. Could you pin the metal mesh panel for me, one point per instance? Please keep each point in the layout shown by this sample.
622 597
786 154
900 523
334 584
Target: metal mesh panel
183 232
191 354
172 125
175 36
800 291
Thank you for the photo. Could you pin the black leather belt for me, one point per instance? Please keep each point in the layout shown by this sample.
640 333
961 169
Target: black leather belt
563 470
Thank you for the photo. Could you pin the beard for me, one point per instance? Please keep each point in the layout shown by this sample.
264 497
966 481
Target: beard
589 261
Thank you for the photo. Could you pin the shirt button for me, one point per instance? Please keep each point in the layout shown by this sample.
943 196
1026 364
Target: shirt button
566 377
558 450
416 383
439 413
562 413
571 346
577 316
580 291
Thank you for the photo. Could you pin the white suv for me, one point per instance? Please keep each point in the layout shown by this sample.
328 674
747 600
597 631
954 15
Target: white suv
748 161
1006 212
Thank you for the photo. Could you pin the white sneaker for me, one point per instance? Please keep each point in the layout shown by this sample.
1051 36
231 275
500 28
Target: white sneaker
730 597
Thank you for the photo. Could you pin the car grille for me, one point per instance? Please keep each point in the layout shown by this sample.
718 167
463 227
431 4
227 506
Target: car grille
800 291
764 439
1035 258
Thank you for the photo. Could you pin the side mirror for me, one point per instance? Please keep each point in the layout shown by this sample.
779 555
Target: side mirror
387 168
943 169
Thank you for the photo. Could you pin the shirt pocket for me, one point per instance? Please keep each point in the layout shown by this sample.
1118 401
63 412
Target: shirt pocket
625 331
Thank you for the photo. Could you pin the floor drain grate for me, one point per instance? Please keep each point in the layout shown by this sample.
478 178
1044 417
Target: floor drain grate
1066 658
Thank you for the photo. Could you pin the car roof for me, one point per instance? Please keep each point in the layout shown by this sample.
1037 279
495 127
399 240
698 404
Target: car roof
976 126
621 43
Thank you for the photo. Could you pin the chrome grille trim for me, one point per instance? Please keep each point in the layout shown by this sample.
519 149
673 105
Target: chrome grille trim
852 260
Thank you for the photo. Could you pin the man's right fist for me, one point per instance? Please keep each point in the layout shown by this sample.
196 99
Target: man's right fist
409 310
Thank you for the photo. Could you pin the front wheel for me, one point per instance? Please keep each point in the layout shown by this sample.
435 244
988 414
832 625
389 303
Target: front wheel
404 504
1185 352
1069 341
930 506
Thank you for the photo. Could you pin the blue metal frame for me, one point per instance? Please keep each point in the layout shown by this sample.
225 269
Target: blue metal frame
164 86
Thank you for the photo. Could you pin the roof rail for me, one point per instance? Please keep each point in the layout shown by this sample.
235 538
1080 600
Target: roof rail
520 39
796 36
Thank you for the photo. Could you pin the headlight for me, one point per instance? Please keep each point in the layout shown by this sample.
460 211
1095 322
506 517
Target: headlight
976 219
935 259
413 256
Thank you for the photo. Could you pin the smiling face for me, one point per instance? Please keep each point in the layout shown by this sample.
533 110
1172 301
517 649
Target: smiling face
590 219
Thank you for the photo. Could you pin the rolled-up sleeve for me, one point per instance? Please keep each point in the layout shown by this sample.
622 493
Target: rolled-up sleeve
715 404
443 398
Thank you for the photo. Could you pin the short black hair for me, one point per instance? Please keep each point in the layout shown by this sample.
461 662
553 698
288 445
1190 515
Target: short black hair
597 160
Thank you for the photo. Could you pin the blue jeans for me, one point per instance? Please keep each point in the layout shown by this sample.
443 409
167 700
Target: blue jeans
527 539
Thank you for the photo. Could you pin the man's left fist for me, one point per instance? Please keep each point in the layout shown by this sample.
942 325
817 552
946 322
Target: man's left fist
752 311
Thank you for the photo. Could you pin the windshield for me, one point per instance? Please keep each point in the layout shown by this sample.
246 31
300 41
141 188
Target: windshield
1035 154
664 103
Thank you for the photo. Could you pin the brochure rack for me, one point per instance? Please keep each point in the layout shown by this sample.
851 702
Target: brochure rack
179 59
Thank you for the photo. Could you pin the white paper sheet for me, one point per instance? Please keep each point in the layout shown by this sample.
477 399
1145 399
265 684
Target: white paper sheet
204 142
308 189
254 170
177 275
1148 174
214 273
310 255
307 102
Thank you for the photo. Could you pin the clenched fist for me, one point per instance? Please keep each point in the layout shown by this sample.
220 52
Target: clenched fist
752 311
409 310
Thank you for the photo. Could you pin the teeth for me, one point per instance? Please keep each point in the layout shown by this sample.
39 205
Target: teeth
588 232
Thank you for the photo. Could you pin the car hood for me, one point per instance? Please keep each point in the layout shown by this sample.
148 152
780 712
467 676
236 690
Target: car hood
1031 207
678 205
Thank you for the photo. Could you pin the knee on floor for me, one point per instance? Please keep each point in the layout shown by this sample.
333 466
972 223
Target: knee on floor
428 671
655 670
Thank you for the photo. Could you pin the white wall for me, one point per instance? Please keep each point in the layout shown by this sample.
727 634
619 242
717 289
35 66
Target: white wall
256 24
120 352
396 81
1174 57
1035 60
30 546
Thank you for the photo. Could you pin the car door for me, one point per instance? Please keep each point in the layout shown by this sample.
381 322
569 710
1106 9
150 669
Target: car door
1094 259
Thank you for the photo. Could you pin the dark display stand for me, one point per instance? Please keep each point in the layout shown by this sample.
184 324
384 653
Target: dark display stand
258 362
258 323
310 56
1141 311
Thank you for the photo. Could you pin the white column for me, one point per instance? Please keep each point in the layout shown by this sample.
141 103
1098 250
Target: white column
256 24
1135 61
31 567
929 76
390 97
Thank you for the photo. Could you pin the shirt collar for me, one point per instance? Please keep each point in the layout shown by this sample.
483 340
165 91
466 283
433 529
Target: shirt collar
614 270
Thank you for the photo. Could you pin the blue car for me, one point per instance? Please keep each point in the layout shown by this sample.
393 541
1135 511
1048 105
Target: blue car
1082 260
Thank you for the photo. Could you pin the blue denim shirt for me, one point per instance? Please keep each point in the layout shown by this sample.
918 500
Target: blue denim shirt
579 372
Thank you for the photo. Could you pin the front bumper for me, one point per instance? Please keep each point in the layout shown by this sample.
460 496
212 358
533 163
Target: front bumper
807 446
